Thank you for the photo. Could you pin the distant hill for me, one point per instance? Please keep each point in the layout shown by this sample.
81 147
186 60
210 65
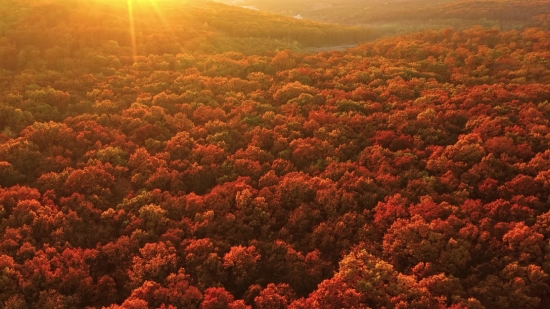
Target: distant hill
397 16
161 27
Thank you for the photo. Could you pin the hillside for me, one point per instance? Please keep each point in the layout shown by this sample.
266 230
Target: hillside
388 17
174 172
160 27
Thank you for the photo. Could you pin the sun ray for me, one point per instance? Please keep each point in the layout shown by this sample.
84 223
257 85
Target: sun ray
155 6
132 28
160 15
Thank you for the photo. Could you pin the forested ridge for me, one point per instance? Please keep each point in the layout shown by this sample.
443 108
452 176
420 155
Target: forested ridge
405 16
408 172
68 29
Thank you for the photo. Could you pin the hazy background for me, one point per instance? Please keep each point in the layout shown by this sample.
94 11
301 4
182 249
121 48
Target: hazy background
402 16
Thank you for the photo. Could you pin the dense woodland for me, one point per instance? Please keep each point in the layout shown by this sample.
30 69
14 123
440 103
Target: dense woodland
408 172
403 16
81 29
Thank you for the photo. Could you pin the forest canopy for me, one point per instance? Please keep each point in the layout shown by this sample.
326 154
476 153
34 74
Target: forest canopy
209 161
405 16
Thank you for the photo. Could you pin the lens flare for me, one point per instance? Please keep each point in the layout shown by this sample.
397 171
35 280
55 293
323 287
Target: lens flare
134 6
132 27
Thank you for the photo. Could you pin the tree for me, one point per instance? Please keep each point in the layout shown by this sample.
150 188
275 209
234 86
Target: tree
274 296
241 265
364 281
155 263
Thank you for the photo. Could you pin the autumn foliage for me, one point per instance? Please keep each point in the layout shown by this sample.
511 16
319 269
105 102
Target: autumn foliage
409 172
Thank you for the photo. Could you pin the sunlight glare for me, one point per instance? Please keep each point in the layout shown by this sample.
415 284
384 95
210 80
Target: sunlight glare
132 28
160 15
131 17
